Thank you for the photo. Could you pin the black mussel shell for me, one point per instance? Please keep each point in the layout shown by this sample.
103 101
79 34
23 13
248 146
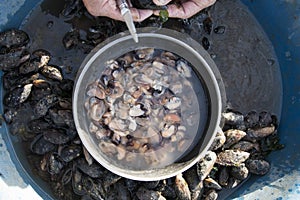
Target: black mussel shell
12 38
13 58
40 146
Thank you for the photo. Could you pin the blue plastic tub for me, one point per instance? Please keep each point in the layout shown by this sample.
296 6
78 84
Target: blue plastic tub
280 19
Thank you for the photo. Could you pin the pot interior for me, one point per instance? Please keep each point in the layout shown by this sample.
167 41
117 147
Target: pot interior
207 90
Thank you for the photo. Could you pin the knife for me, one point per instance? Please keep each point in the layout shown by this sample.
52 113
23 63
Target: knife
125 12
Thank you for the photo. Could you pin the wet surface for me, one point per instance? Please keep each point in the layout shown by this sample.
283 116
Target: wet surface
246 60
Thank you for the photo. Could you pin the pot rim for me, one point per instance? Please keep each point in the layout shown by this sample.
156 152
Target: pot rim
187 44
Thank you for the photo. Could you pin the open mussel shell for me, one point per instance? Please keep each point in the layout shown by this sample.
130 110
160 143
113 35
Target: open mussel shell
168 40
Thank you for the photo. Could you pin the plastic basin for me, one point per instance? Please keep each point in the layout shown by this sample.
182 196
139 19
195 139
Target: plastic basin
281 21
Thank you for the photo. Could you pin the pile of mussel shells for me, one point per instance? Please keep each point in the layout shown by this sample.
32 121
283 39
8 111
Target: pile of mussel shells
142 109
38 109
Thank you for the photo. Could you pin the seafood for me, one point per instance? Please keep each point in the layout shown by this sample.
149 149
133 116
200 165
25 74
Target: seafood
9 115
266 119
240 172
122 191
72 8
183 68
205 43
61 117
252 119
173 103
135 116
12 38
133 101
41 54
167 190
39 59
38 125
40 90
223 176
144 194
211 195
51 72
69 153
54 164
219 30
233 136
245 146
208 25
232 118
219 140
41 146
12 59
194 183
28 67
109 179
56 136
42 106
206 164
87 156
211 183
261 132
259 167
71 39
150 184
232 157
77 183
94 170
97 110
181 188
17 96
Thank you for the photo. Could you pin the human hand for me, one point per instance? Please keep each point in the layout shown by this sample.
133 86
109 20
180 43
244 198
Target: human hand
109 8
185 8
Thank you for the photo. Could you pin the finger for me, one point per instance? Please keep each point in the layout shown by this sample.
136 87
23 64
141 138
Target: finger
187 9
201 4
103 8
139 15
91 5
115 15
174 11
161 2
182 11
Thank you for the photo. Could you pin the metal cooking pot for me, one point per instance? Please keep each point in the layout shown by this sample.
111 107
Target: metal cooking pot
164 39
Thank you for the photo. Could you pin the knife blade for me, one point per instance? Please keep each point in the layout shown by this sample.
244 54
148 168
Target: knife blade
125 12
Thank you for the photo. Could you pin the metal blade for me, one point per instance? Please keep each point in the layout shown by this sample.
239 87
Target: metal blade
130 25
